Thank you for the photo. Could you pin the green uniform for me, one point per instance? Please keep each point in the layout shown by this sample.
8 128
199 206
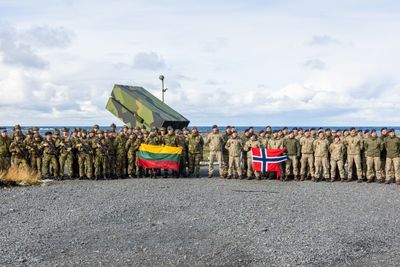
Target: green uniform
85 157
36 154
292 146
392 168
195 147
66 159
4 153
373 148
50 154
234 147
100 147
19 153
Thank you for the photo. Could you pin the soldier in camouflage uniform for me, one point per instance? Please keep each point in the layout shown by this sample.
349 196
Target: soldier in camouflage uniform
245 138
84 147
235 146
195 147
153 139
182 143
292 146
121 154
225 153
18 151
132 147
307 155
373 147
65 147
354 146
392 168
251 143
170 139
321 154
36 153
5 142
100 147
215 143
50 156
276 142
337 151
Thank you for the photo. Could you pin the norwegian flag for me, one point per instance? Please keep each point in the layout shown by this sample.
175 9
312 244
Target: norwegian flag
266 160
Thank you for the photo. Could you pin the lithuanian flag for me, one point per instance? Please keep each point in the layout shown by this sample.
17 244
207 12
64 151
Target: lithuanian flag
159 157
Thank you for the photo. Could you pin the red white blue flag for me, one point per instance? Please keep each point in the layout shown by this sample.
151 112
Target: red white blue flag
266 160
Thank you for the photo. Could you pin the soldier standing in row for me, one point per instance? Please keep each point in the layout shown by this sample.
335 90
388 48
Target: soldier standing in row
392 146
337 151
307 155
292 146
170 139
373 148
154 140
85 156
252 143
101 160
5 142
182 143
18 152
234 146
121 154
225 153
215 143
132 146
65 146
195 147
50 155
354 146
35 149
321 153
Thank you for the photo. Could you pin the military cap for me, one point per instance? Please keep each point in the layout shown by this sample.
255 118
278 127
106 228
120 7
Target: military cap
169 128
137 128
4 131
294 129
185 129
300 129
162 129
84 131
36 129
56 130
65 130
92 131
113 125
143 127
228 127
48 133
327 129
145 132
285 128
306 130
17 127
96 127
336 136
214 127
359 131
260 132
275 131
312 129
74 130
352 129
320 131
246 131
290 132
194 128
36 135
383 129
373 131
392 131
177 131
366 131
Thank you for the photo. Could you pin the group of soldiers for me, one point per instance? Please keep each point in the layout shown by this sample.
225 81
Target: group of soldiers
316 154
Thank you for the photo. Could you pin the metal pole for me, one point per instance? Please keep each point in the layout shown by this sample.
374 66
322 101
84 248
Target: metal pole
162 89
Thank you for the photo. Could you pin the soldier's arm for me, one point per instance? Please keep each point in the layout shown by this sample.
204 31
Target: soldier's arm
298 148
208 140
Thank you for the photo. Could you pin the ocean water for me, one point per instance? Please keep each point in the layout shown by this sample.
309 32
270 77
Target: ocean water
204 129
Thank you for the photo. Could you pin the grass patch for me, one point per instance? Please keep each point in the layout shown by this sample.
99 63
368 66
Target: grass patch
19 176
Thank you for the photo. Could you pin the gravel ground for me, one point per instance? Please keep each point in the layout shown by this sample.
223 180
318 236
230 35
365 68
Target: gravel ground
198 222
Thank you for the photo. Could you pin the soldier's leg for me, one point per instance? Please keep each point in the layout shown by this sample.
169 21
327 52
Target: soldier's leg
249 168
357 160
46 166
317 166
350 162
191 163
89 166
388 170
303 166
370 168
62 164
54 165
333 169
81 163
70 165
396 163
106 167
340 165
311 163
364 165
225 158
288 166
220 167
230 170
378 170
295 164
211 159
325 166
236 166
197 165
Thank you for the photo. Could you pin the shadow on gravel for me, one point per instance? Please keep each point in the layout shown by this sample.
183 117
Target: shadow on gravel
254 191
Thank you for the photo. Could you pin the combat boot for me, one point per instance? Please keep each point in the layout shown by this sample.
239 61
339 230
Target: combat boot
302 178
388 181
229 177
369 181
359 181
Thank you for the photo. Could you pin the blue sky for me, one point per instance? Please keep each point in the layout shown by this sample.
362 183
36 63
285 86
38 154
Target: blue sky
225 62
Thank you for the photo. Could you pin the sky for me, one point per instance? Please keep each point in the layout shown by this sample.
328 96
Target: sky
234 62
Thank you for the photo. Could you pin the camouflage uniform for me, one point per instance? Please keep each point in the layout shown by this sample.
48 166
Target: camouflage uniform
235 146
321 153
195 146
276 143
337 151
225 153
66 159
100 147
4 153
35 149
292 146
84 147
392 168
354 146
170 139
215 143
181 141
247 147
373 147
154 140
121 155
19 153
307 156
50 154
132 147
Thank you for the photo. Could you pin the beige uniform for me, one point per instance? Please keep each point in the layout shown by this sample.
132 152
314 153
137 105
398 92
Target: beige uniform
337 151
307 155
247 147
321 153
215 143
234 147
354 146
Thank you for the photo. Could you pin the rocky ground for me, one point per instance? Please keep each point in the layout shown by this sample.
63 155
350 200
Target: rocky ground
198 222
